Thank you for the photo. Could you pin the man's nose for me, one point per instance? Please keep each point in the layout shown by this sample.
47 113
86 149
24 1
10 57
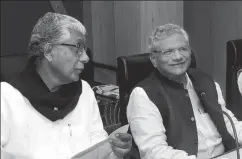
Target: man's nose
177 55
83 57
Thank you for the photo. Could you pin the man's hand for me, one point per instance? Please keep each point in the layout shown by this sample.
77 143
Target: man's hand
121 144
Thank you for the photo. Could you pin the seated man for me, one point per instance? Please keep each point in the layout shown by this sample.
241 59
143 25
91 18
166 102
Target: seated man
47 112
240 80
167 115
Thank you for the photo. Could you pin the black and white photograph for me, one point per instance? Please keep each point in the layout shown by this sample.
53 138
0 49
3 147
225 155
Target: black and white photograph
121 79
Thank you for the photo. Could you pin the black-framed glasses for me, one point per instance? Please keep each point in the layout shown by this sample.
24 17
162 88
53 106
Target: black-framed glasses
184 50
80 48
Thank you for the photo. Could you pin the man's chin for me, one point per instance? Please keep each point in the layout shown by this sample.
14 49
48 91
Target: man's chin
75 78
72 78
179 72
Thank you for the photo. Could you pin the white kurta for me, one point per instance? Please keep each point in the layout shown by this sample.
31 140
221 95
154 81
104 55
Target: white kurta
26 132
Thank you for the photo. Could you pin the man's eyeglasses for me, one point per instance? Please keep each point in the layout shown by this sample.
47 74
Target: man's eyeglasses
169 52
80 48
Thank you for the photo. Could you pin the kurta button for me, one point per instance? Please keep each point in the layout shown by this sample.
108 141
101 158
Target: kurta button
192 119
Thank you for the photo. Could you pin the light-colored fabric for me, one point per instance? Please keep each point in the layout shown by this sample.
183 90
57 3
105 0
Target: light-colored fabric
239 81
238 124
209 140
148 131
26 132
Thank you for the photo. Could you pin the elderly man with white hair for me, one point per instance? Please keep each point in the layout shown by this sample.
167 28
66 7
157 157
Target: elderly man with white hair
170 112
47 112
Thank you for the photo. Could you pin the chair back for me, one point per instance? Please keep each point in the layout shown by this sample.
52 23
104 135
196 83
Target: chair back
234 64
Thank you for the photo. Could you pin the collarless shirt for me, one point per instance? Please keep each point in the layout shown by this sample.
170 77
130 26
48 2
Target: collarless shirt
26 133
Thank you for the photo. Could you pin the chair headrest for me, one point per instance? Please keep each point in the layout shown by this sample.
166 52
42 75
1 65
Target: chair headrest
235 47
234 64
132 69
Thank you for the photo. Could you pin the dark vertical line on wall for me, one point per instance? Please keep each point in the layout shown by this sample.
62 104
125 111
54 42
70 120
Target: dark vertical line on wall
87 22
237 21
114 30
211 36
81 7
114 34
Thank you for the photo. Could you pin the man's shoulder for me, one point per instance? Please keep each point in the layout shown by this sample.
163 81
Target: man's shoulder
199 74
147 82
197 71
12 98
86 86
202 82
8 90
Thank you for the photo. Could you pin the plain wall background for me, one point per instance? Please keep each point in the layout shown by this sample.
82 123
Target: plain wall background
17 21
210 25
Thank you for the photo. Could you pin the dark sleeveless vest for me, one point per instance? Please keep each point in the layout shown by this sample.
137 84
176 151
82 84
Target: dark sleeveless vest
175 107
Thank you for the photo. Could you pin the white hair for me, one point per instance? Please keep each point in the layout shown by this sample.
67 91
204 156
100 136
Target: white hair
161 32
53 28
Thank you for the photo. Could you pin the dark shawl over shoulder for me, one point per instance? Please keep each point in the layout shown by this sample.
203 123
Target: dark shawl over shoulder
30 84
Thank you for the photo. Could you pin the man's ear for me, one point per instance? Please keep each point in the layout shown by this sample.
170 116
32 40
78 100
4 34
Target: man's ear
49 53
153 59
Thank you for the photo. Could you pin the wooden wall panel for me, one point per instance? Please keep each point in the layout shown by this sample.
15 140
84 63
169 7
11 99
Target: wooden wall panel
120 28
87 21
127 27
156 13
103 32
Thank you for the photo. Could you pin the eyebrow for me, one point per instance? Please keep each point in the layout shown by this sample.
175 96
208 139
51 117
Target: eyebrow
176 47
81 41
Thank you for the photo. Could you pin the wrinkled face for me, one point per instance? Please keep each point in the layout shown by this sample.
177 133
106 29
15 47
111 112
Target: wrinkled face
68 61
172 56
240 81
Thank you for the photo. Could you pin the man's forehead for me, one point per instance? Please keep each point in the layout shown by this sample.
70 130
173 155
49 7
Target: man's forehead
172 41
78 38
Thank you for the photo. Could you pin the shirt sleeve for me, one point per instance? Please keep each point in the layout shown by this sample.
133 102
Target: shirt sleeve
5 122
147 128
97 132
5 119
238 124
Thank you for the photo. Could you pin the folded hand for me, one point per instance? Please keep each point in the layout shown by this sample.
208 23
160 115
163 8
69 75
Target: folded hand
121 144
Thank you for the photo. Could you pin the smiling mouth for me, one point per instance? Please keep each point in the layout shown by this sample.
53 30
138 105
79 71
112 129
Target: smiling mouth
177 64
